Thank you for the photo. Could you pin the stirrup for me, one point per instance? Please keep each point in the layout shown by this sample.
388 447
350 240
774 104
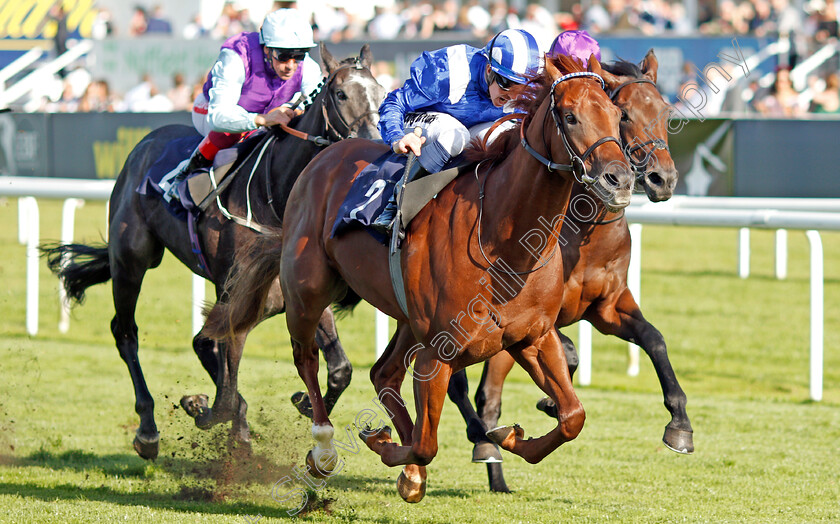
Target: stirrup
383 227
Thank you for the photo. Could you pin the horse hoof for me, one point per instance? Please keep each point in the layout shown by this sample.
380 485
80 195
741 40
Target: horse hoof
320 472
487 453
547 406
502 434
410 490
195 405
302 403
679 440
376 434
147 448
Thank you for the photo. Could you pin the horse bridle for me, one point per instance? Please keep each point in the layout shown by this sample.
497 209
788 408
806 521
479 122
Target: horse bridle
322 141
578 162
352 126
656 143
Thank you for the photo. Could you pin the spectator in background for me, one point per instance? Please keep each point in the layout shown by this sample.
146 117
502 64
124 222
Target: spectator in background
157 23
103 25
596 18
194 29
246 22
783 99
826 20
538 21
137 23
180 94
829 100
385 25
58 15
96 98
136 97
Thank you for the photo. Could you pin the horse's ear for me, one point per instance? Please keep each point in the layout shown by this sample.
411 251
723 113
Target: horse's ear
551 68
365 56
650 65
612 81
594 66
330 63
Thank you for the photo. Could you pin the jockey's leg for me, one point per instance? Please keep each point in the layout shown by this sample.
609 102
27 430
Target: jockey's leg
446 138
201 158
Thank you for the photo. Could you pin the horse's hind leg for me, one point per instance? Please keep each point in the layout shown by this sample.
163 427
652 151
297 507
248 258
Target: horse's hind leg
546 405
339 369
626 321
308 284
127 273
546 364
488 401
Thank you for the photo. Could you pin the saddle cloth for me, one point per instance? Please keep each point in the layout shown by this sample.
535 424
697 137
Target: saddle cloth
198 185
374 186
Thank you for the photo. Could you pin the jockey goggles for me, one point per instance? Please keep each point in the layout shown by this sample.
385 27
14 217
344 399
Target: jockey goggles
504 82
284 55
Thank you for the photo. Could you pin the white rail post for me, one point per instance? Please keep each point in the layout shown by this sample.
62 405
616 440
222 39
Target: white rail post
634 283
68 222
24 204
584 371
744 252
781 254
816 314
381 333
198 293
32 238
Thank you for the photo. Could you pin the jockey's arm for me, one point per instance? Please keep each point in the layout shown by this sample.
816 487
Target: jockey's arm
415 95
223 110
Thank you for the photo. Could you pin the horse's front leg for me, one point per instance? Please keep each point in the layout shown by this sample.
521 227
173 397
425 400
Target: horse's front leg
625 320
546 364
431 378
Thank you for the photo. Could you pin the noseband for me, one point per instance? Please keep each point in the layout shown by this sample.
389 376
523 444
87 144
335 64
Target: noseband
578 162
656 143
350 128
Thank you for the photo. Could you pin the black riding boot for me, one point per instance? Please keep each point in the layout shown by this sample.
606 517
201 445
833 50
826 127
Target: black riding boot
197 161
385 221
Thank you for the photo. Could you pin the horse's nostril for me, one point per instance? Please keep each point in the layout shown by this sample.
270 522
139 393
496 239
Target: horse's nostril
654 179
611 179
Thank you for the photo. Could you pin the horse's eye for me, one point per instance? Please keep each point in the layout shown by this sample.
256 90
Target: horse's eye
570 119
624 117
341 95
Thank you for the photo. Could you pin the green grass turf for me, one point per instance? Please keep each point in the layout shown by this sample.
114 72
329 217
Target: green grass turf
764 452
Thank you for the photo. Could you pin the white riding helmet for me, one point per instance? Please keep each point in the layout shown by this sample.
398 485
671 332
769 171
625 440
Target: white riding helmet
286 29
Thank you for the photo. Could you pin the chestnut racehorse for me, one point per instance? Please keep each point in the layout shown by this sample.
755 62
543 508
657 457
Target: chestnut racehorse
472 287
596 257
141 229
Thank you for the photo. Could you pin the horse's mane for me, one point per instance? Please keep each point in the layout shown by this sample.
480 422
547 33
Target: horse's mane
623 68
526 99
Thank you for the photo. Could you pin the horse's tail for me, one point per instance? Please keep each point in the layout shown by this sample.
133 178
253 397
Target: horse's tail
79 266
246 291
345 305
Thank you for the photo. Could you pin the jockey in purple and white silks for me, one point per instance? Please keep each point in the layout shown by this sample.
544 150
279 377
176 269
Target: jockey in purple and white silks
453 94
252 84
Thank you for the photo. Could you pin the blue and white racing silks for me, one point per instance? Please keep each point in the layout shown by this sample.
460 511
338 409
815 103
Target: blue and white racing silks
449 80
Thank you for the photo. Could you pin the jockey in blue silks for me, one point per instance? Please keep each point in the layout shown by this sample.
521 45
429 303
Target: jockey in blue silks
453 94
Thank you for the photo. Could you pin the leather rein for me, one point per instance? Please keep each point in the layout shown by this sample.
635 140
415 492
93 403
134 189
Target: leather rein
349 128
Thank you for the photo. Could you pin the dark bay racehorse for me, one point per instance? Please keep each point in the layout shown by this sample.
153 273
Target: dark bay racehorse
140 229
596 256
472 288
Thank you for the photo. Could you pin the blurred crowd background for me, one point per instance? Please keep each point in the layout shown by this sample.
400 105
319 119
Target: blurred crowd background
806 26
